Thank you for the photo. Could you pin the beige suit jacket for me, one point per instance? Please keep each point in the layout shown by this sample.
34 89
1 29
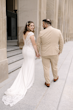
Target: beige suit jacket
50 41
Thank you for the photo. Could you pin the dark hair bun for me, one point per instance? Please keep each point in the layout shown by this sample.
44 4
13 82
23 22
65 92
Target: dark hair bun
47 21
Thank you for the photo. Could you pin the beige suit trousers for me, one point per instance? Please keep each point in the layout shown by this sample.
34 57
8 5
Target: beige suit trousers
47 60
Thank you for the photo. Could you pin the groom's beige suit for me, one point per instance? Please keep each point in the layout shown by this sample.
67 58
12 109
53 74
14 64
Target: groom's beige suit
50 43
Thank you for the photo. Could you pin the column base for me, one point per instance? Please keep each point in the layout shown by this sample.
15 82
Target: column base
3 70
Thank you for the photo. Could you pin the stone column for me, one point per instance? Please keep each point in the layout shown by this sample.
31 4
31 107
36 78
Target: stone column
71 19
68 23
15 4
63 19
67 20
3 40
27 10
61 14
42 12
52 11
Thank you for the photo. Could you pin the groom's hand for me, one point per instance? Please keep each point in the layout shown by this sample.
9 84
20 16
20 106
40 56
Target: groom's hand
38 55
59 53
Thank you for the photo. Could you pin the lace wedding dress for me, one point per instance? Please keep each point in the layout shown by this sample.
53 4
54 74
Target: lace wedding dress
25 78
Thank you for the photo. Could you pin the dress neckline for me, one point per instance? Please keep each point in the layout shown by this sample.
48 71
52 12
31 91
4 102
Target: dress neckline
27 35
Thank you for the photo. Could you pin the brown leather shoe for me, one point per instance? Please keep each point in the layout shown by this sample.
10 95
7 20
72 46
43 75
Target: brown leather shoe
48 85
56 79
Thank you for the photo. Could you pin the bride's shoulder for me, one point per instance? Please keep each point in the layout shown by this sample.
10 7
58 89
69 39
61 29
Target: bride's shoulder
31 33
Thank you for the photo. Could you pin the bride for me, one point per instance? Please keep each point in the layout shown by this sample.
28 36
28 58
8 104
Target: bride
25 78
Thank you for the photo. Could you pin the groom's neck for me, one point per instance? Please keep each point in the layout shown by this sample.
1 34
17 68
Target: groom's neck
47 26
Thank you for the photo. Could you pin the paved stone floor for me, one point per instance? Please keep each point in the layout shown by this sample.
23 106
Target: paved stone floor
60 94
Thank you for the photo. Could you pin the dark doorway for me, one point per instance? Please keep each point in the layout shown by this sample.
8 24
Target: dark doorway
11 21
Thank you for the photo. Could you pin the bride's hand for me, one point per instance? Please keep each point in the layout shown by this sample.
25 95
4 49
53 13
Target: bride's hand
38 55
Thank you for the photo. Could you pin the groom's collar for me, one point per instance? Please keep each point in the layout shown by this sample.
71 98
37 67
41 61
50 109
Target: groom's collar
49 27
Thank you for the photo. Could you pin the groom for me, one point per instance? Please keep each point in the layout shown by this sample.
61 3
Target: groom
50 42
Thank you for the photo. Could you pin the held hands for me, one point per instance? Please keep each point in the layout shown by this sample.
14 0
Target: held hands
37 55
59 53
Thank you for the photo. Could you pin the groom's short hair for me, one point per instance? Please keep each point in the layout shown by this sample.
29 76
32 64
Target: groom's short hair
47 21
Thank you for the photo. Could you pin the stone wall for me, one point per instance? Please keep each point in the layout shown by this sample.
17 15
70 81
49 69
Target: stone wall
61 14
34 10
3 40
63 18
42 12
70 14
27 10
52 11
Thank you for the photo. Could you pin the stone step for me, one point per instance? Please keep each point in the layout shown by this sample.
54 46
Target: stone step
12 48
13 53
15 58
14 66
11 42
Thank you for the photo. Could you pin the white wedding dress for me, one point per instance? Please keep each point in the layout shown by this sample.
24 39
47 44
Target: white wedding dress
25 78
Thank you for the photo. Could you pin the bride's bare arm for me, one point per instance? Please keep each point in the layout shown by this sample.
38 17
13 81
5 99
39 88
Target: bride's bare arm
34 44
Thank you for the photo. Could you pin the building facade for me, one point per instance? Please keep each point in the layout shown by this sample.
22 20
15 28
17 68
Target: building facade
15 13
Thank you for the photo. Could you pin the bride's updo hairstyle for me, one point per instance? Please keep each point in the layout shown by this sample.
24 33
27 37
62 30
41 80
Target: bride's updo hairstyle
26 28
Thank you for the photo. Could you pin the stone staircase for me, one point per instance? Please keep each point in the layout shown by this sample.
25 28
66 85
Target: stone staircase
14 55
